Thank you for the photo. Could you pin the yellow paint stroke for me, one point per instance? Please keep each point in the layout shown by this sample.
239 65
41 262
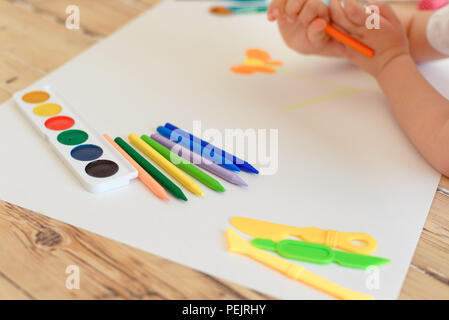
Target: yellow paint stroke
325 82
340 91
335 94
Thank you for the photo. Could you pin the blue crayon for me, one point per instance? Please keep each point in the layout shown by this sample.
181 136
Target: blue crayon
227 157
195 146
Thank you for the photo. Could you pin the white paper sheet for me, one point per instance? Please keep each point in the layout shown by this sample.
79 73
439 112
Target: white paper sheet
343 164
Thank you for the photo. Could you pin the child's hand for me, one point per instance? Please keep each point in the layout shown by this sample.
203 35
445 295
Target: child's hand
389 41
302 23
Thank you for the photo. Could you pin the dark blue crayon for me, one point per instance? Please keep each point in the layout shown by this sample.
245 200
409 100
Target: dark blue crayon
195 146
227 157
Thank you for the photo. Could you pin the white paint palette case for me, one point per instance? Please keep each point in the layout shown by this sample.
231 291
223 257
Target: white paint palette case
95 163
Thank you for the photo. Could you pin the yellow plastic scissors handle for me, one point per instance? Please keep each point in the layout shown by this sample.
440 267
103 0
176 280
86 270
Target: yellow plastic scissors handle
357 242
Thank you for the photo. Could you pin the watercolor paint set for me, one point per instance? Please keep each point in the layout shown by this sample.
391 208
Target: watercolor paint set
97 165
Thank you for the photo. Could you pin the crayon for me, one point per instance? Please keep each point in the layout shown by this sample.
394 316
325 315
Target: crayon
199 161
196 147
349 41
170 168
148 167
184 165
144 176
226 157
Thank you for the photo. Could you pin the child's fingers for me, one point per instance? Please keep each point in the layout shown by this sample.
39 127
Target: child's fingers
315 32
319 39
338 17
354 12
270 14
276 9
386 11
312 10
293 7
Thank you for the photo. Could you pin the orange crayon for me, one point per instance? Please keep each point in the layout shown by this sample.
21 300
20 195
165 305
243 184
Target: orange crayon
349 41
148 180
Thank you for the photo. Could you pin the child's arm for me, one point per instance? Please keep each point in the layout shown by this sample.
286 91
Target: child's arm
421 111
415 24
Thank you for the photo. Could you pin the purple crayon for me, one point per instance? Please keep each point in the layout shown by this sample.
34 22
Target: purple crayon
199 161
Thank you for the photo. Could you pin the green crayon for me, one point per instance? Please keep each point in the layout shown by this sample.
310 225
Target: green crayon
148 167
184 165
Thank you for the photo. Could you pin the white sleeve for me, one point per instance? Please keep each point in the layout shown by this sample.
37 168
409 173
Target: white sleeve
438 30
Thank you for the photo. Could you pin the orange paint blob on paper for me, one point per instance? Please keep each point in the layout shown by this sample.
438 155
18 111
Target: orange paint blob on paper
36 97
256 61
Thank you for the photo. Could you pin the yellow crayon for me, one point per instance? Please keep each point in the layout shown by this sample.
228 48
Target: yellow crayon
170 168
144 176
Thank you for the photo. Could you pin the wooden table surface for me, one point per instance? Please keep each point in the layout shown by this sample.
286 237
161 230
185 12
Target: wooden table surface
36 250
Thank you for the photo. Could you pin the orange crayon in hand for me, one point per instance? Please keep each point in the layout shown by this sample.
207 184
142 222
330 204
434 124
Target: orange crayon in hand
349 41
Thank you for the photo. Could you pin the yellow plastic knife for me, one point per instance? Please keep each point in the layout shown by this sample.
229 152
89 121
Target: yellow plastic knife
237 244
335 239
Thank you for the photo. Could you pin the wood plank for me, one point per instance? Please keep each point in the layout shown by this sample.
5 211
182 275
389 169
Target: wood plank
43 44
420 286
432 252
15 75
10 291
99 17
428 277
4 95
150 3
40 249
444 184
